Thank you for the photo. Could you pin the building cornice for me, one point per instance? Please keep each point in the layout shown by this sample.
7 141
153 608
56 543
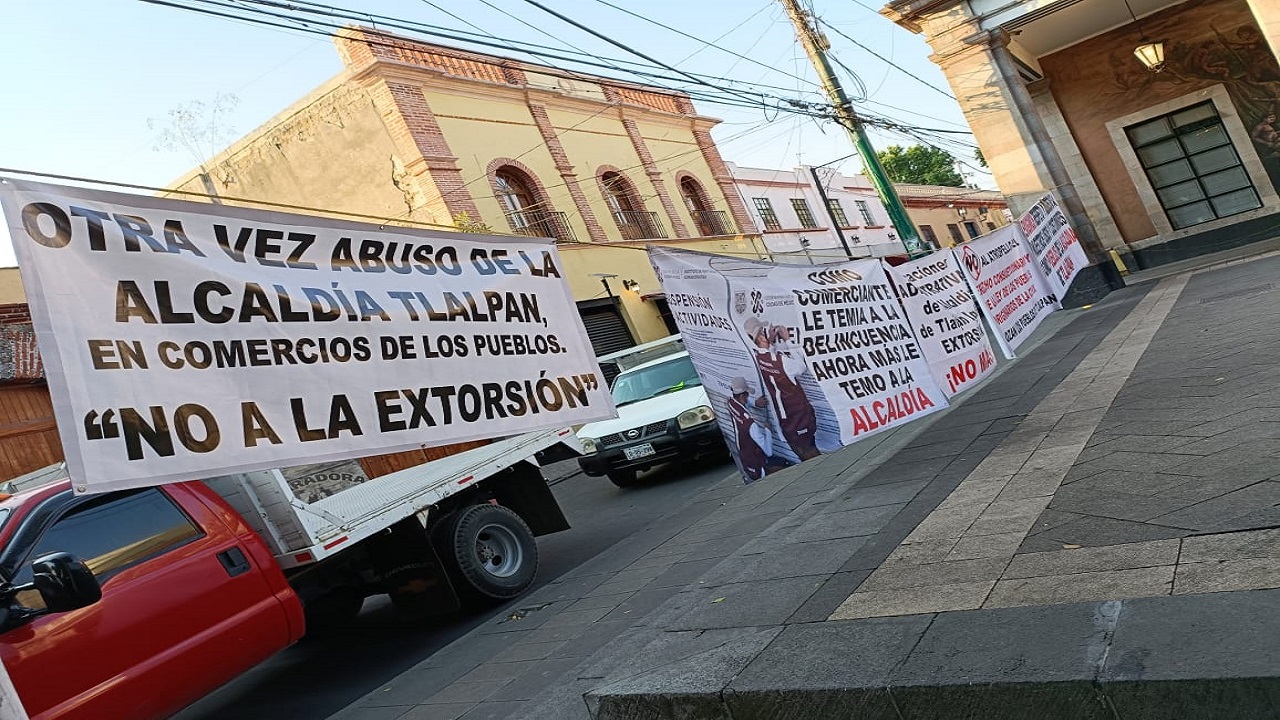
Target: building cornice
908 13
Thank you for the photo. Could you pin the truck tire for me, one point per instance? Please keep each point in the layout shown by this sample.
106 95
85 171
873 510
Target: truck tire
622 478
490 550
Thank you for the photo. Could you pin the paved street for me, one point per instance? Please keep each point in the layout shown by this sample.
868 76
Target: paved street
1093 533
319 677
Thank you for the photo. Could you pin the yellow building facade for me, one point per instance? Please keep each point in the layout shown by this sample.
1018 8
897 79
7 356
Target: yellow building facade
418 134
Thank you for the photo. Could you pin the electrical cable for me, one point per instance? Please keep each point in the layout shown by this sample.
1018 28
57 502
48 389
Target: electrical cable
887 61
694 37
731 98
617 43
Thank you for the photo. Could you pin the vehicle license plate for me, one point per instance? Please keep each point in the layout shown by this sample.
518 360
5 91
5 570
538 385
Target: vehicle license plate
639 451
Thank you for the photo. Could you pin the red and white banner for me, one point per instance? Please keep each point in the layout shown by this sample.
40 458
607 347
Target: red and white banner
1058 252
947 322
1012 293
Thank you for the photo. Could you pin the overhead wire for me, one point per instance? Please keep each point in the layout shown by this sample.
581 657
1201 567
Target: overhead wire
768 5
712 44
618 43
885 60
726 96
735 98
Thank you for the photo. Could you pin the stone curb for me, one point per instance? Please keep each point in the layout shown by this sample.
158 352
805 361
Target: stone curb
1103 660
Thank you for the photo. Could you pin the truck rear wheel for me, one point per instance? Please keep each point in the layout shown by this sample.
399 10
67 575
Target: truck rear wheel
490 550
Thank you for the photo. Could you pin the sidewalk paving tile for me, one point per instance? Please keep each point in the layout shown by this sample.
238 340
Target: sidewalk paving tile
1086 472
914 600
1094 559
1082 587
1254 573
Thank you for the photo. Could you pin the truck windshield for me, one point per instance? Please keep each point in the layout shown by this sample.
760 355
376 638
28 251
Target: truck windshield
654 380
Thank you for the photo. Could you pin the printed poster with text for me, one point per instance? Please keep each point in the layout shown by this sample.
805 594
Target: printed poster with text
184 340
1058 252
826 350
948 325
1010 290
700 296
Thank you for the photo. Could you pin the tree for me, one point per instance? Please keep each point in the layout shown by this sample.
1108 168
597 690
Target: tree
197 127
200 129
921 165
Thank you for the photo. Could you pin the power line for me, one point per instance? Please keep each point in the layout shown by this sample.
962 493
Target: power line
731 97
727 33
887 61
225 198
704 42
616 43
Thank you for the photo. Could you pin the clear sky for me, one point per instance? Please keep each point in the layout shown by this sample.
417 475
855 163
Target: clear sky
84 77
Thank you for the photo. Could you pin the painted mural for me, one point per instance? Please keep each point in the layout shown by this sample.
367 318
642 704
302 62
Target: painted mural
1206 46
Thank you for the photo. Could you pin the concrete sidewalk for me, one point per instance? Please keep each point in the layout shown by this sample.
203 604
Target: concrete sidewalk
1090 534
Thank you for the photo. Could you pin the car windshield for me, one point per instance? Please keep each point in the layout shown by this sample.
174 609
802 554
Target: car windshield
654 380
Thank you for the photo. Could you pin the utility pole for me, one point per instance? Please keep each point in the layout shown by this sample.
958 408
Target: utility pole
815 45
826 203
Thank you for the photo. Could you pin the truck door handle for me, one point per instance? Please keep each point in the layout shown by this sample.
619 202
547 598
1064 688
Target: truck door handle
234 561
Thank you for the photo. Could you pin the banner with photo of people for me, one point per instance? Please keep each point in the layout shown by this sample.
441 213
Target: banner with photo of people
800 360
819 356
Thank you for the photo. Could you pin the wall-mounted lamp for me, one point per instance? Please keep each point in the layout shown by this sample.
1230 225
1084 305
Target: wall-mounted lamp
1151 52
631 285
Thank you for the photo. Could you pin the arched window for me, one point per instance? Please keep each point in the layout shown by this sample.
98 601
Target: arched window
634 222
710 222
513 192
526 212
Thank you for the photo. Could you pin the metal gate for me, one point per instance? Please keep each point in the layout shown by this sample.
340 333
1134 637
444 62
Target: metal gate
607 330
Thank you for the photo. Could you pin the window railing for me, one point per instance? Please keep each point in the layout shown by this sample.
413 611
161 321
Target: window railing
639 225
711 222
542 223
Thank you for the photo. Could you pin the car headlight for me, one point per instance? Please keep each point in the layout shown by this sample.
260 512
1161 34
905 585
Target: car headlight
696 416
588 445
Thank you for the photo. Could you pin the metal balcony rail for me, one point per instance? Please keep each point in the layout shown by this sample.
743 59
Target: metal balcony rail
712 222
639 225
542 223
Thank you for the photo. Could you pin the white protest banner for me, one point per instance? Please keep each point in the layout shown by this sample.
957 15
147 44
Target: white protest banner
183 340
700 297
940 306
1010 290
828 347
1059 254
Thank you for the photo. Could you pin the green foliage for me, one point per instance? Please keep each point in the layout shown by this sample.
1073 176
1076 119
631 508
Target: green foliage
977 155
921 165
463 222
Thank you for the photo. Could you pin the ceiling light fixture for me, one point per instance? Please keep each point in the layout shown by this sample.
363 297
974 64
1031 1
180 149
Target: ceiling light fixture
1151 52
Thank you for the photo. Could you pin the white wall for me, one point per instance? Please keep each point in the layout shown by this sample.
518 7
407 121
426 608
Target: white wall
823 244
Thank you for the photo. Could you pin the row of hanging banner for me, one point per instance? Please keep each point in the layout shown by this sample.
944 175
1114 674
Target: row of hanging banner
798 360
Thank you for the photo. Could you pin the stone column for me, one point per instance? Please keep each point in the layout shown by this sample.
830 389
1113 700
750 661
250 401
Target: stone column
1008 126
595 233
654 173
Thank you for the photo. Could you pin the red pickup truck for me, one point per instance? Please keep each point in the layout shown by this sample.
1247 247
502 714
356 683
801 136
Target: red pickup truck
134 604
190 598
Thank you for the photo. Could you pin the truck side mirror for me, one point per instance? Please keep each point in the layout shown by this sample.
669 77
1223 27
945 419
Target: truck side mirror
65 582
